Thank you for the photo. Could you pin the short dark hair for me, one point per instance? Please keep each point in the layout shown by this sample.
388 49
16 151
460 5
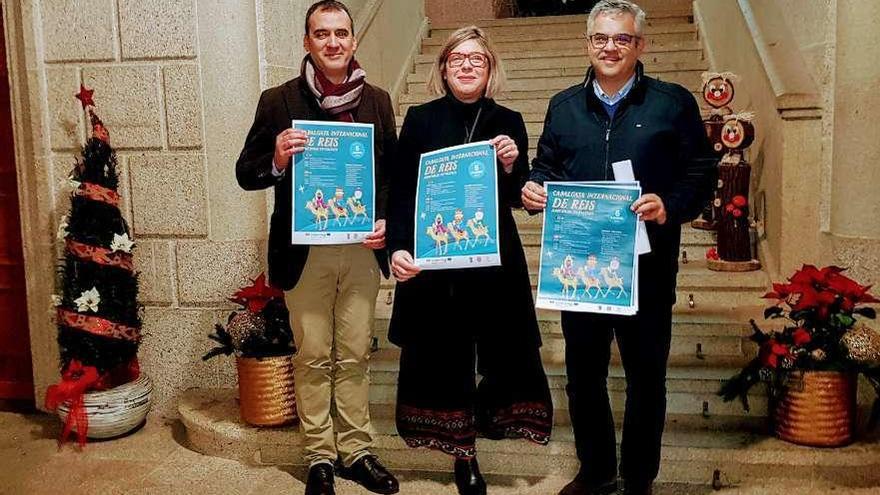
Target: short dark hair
323 5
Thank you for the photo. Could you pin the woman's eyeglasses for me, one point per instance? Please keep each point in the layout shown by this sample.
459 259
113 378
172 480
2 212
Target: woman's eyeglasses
477 59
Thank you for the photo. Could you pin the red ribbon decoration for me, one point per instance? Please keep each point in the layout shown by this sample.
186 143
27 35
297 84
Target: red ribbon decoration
97 325
75 380
102 256
98 193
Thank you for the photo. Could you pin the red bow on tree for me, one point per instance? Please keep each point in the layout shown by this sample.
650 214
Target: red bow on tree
75 381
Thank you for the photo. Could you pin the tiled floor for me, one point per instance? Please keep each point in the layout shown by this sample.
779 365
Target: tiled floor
153 461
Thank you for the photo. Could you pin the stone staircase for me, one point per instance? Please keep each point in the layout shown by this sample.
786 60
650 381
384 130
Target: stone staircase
706 438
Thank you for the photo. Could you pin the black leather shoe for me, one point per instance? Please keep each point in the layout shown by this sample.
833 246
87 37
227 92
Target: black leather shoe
468 479
372 475
320 481
637 488
579 486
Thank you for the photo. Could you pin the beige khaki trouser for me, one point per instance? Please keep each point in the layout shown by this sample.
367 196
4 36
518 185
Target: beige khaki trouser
331 313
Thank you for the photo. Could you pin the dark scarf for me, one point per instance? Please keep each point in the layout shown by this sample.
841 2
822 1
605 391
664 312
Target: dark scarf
469 113
338 100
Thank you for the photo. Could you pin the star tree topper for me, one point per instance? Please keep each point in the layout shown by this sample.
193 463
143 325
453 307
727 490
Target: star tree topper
85 96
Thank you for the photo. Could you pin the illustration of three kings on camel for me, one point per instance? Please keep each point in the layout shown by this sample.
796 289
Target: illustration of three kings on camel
339 206
591 276
440 232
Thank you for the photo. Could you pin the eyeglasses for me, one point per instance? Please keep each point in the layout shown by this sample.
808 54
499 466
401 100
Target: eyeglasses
477 59
622 40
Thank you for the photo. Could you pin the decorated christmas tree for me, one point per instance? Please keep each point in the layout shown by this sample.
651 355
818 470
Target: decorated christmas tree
97 310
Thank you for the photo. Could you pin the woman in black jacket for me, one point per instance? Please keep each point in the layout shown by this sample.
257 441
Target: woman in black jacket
449 322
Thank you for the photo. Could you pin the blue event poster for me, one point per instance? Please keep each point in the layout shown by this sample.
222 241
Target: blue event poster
333 184
588 248
456 220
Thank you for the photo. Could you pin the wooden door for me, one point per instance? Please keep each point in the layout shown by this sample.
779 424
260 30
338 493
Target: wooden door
16 376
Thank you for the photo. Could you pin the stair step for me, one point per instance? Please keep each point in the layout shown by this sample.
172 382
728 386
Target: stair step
714 351
689 455
557 45
691 241
693 276
574 66
534 101
571 35
521 101
688 78
526 222
553 58
576 26
726 305
714 297
528 117
535 109
708 321
695 246
687 388
656 17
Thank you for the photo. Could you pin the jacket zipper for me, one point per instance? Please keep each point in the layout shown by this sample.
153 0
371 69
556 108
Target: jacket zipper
607 148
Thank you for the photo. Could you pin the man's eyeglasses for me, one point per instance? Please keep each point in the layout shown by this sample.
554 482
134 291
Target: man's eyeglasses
622 40
477 59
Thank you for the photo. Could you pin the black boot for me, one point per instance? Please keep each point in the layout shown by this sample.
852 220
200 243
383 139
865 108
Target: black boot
468 478
637 487
580 486
371 474
320 480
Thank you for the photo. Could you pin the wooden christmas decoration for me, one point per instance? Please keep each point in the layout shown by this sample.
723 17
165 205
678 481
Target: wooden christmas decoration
734 250
718 89
737 134
718 92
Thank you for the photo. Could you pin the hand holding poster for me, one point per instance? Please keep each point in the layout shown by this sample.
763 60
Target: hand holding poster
588 249
333 184
456 222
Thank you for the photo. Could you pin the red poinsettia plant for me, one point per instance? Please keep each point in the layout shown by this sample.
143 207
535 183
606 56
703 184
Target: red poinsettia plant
819 307
260 327
256 296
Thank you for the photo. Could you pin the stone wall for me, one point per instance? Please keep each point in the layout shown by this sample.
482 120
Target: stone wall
176 82
176 136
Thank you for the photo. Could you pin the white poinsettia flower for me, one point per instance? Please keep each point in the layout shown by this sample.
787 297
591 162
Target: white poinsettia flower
88 300
56 300
73 183
121 243
62 227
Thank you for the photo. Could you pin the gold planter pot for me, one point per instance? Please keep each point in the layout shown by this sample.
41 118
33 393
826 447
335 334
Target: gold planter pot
818 408
265 387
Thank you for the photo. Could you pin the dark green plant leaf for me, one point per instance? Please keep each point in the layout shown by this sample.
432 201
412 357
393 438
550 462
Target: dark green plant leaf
772 312
866 312
845 321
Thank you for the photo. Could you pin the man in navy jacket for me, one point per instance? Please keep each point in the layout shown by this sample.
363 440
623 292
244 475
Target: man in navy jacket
617 114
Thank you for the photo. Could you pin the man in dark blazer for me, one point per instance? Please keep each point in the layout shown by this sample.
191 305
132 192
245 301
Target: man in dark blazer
330 290
618 114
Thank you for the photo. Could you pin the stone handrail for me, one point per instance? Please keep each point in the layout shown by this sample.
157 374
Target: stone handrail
786 69
389 34
366 16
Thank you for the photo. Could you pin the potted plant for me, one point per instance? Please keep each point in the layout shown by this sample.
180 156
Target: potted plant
259 336
812 363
